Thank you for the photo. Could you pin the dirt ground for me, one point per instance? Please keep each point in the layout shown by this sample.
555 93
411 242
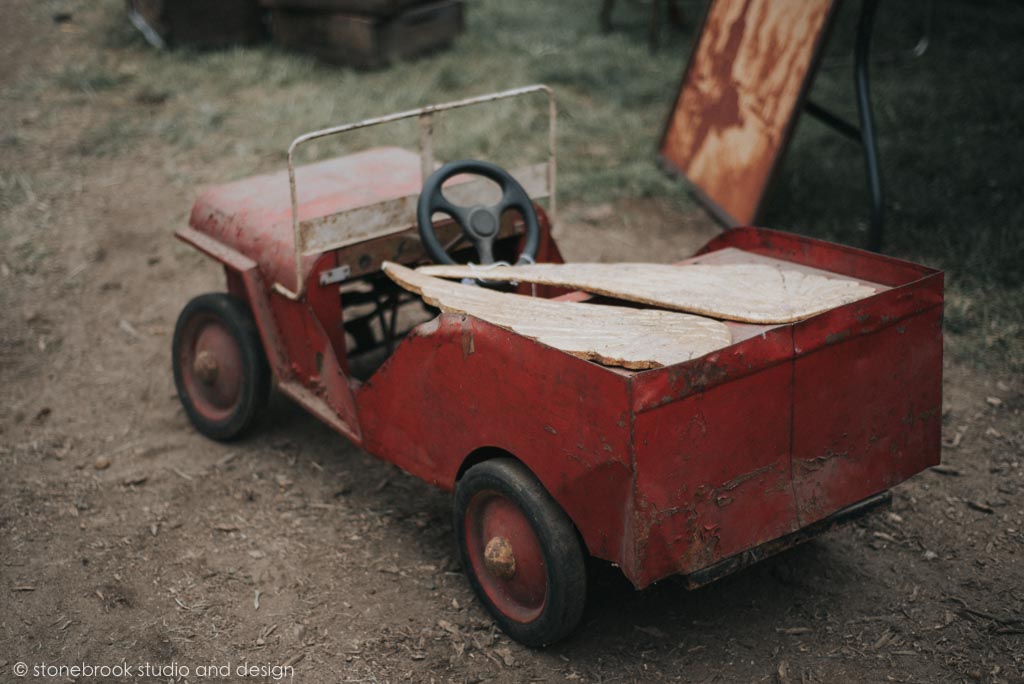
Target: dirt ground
126 536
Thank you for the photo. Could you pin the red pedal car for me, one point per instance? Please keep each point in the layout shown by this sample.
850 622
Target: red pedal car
695 469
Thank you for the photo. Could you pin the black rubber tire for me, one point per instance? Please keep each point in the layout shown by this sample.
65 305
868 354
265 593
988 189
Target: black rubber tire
256 378
564 555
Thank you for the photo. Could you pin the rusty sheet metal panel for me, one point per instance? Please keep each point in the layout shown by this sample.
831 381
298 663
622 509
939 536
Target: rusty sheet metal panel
712 442
740 98
457 384
867 413
253 215
312 362
791 425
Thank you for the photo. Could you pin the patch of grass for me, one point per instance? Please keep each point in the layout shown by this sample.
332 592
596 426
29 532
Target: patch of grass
91 78
113 136
15 189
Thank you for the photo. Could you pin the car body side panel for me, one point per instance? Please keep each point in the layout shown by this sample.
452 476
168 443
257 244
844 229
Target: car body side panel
713 475
457 384
867 413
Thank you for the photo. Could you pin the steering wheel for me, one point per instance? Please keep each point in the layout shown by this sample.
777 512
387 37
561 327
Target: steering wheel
479 223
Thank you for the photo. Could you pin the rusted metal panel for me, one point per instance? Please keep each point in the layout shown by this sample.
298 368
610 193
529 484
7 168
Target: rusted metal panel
457 384
853 403
757 348
713 474
740 97
215 249
313 361
368 41
758 553
867 413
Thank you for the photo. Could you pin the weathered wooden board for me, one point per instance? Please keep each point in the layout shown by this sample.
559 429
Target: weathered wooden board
198 23
751 293
367 41
740 97
611 335
377 8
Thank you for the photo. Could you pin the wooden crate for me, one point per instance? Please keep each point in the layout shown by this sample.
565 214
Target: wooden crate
199 23
377 8
368 41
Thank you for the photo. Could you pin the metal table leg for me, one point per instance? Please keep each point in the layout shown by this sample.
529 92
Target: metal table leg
867 122
865 132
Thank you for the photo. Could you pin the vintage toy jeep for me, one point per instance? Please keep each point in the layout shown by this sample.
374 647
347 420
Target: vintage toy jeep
695 469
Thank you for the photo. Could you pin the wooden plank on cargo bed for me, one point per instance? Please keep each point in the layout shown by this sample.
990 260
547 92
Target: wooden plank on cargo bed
747 292
611 335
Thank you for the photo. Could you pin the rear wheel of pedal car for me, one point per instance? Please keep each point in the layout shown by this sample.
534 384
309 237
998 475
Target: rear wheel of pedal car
520 551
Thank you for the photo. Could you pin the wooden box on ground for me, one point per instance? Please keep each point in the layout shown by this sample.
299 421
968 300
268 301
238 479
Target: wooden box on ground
377 8
368 41
199 23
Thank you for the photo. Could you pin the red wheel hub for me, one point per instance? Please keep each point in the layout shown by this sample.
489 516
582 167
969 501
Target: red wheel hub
211 367
506 556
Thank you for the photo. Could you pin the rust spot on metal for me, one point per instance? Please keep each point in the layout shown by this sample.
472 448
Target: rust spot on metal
468 344
836 337
205 367
499 558
737 481
818 462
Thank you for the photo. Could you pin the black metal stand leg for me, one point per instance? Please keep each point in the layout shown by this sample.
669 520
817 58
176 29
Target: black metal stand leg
865 133
867 122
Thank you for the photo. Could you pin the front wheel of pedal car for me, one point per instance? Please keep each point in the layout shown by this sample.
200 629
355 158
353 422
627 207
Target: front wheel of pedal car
220 370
